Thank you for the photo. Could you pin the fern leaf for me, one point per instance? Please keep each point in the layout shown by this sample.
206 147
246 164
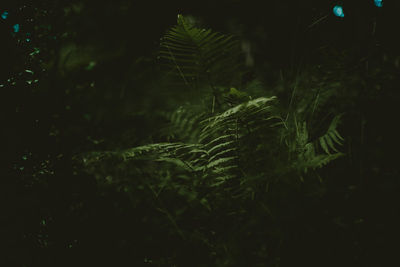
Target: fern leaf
218 139
220 161
331 137
323 144
334 135
221 170
201 54
220 121
226 151
178 162
219 146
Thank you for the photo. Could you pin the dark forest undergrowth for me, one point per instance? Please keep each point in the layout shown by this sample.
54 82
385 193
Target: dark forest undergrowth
233 140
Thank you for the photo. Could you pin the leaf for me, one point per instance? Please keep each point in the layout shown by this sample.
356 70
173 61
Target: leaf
201 54
220 161
177 162
323 144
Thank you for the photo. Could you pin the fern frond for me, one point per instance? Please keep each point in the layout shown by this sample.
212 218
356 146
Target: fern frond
227 134
240 117
184 124
331 137
306 150
220 161
218 146
219 139
198 54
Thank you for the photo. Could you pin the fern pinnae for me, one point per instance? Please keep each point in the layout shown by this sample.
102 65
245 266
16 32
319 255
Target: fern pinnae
218 139
217 155
330 142
218 146
337 134
331 137
222 170
220 161
230 115
179 162
324 145
336 137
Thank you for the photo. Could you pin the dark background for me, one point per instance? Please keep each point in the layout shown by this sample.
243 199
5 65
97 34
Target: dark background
54 215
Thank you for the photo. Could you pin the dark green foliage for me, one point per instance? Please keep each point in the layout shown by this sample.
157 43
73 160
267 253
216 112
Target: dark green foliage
199 55
243 151
290 161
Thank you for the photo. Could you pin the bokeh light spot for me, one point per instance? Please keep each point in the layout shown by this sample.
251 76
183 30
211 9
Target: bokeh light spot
338 11
4 15
16 27
378 3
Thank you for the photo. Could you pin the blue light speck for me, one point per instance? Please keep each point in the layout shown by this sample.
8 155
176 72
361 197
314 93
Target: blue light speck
16 27
4 15
338 11
378 3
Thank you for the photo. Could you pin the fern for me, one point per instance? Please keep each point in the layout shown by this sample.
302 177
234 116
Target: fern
184 124
228 155
237 119
225 149
198 55
217 154
331 137
226 137
306 149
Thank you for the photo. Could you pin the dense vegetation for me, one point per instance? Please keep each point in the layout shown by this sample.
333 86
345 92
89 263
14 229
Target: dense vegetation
226 136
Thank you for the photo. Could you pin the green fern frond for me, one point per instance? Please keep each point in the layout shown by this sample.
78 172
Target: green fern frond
184 124
238 118
216 141
219 154
219 146
178 162
307 158
179 154
223 154
225 136
197 54
317 161
331 137
220 161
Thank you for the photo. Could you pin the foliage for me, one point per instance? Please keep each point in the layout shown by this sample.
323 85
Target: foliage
241 150
211 162
199 55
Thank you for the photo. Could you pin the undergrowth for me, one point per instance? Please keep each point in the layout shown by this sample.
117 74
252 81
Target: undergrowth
223 154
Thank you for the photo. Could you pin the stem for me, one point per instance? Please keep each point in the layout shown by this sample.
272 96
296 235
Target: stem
173 222
177 66
213 105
